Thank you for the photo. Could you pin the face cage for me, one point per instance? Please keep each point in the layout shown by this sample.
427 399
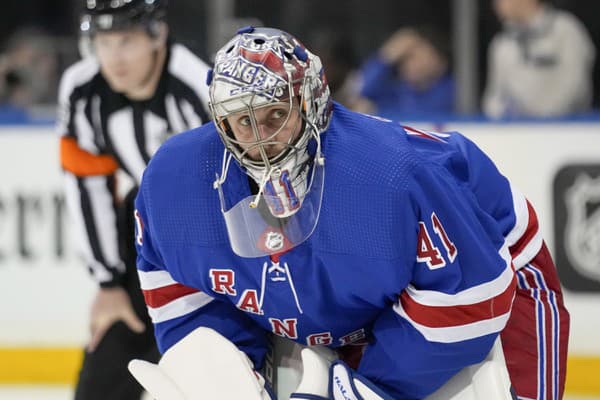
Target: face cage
294 147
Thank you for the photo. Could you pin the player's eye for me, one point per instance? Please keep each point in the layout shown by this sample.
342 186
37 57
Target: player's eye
278 114
244 121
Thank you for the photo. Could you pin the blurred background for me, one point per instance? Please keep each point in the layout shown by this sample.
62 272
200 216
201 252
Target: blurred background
38 38
428 63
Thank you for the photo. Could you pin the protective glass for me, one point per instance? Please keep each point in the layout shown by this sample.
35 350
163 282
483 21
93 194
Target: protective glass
253 230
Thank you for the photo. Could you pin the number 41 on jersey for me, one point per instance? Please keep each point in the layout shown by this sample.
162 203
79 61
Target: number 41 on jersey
427 252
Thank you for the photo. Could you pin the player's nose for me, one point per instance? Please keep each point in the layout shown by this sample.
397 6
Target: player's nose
264 131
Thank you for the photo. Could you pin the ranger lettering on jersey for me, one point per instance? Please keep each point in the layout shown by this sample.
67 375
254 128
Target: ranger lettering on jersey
286 328
249 302
223 281
353 337
323 339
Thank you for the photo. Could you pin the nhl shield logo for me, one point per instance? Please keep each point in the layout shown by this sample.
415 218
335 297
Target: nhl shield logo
576 199
274 241
582 229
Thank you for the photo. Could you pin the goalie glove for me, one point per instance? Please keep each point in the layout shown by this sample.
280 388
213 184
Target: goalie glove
346 384
323 380
203 365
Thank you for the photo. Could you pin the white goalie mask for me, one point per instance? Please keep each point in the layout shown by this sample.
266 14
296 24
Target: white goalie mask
270 102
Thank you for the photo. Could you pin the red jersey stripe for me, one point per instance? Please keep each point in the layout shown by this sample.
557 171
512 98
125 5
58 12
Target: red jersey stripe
530 232
160 296
442 317
420 133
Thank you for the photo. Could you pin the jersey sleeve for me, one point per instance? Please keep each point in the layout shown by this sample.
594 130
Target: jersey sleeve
459 296
177 309
89 180
498 197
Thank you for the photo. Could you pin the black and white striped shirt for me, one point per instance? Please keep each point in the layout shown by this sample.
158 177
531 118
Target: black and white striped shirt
103 131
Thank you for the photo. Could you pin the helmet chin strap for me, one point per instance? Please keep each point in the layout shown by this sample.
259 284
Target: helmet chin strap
261 184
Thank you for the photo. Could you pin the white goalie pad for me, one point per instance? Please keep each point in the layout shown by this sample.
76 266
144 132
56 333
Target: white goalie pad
203 365
487 380
315 379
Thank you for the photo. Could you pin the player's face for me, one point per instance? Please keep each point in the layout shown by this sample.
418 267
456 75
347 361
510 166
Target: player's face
126 58
276 125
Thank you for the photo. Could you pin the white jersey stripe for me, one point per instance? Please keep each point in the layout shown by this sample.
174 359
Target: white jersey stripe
105 223
555 345
156 131
534 245
155 279
85 133
175 119
473 295
522 280
457 333
190 115
122 135
530 250
552 358
540 327
179 307
84 247
73 77
184 66
521 216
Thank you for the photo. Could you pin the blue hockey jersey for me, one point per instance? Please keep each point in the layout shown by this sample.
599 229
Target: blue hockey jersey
413 253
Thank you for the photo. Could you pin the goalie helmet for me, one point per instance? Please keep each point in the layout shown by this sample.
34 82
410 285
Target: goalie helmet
259 68
114 15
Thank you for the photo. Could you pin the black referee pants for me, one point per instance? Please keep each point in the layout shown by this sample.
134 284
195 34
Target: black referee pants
104 373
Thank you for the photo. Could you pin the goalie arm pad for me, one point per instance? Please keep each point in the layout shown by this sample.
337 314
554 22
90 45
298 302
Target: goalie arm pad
203 365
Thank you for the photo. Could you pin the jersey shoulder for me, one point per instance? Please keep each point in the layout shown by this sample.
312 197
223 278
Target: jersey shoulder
190 69
177 188
194 153
77 75
366 147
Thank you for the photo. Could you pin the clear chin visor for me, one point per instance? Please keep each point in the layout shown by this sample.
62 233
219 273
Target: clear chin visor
255 232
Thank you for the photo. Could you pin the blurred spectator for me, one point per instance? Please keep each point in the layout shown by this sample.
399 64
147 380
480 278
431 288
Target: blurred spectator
540 65
28 73
337 52
11 93
409 77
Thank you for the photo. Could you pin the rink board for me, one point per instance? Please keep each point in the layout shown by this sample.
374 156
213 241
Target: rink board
45 290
